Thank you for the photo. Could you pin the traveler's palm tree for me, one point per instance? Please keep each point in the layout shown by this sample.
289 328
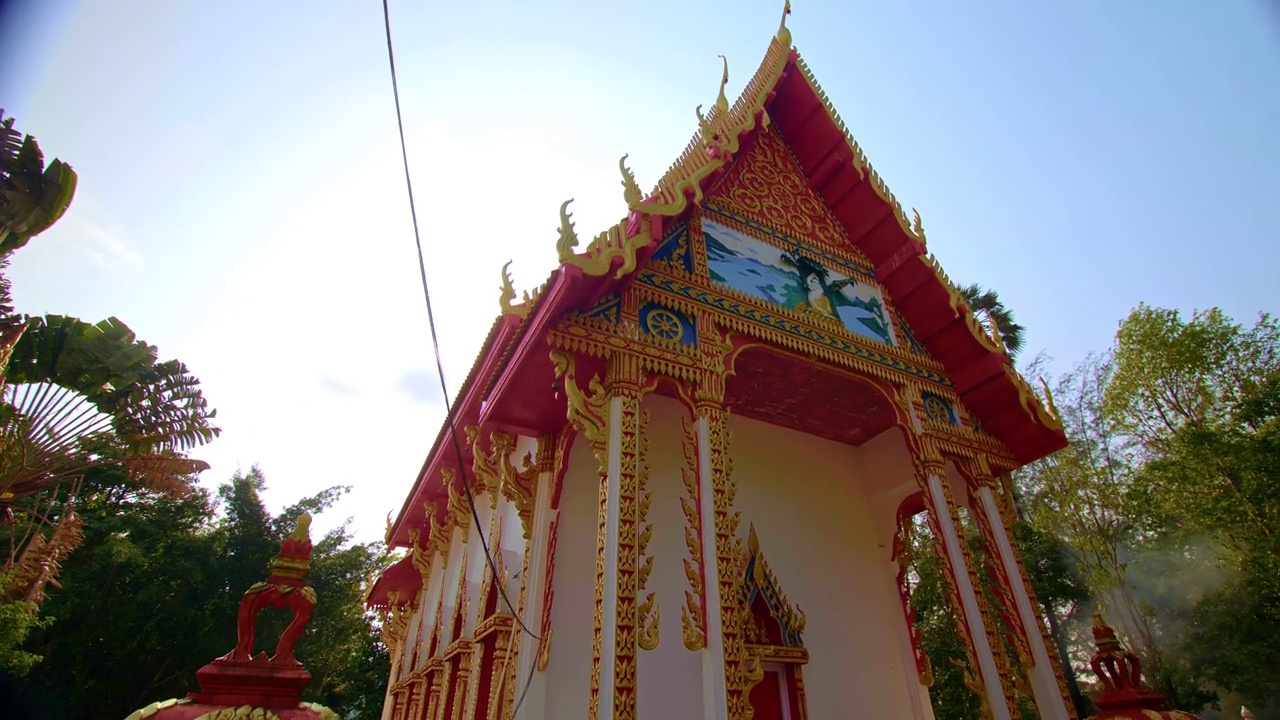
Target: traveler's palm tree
32 196
986 306
73 395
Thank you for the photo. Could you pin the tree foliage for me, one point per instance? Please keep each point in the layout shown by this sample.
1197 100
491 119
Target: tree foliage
74 397
170 571
32 196
1168 498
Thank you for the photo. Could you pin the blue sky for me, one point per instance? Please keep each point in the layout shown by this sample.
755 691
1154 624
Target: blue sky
242 206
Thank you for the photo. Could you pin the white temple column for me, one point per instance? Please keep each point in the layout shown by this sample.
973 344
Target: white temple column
968 599
431 605
1044 683
411 640
534 705
714 698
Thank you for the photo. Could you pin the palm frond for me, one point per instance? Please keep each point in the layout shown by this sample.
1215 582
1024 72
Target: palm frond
166 472
32 197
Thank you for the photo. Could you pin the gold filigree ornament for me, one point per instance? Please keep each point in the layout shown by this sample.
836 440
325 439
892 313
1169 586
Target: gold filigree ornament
692 618
647 613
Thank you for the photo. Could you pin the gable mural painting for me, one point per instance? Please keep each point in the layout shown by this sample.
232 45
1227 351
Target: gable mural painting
758 269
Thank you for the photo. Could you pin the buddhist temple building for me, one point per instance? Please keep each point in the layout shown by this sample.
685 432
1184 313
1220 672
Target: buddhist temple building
685 466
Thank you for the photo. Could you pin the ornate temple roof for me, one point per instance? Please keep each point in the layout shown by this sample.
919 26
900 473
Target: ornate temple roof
783 96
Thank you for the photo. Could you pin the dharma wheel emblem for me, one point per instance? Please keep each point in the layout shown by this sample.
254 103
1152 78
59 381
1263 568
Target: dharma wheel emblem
664 324
937 410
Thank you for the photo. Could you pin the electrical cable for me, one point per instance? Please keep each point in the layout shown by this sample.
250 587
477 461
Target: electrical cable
435 342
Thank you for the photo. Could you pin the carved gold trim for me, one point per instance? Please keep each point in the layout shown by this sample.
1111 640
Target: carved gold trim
693 619
548 595
790 618
647 614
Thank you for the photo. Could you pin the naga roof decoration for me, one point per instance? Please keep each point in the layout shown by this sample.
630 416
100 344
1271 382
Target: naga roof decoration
942 345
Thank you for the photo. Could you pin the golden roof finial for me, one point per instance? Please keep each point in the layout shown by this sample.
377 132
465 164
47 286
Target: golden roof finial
1048 399
568 238
631 192
722 102
784 34
917 227
996 335
509 294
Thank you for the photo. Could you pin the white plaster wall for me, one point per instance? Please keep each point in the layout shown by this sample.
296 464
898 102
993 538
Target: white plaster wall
670 676
811 501
568 673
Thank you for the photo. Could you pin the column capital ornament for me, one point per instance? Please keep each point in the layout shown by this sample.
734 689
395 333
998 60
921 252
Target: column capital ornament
978 473
587 412
457 511
928 460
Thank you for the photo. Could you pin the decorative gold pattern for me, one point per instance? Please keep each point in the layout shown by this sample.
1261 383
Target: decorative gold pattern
548 594
626 382
693 619
155 707
395 626
647 614
739 667
718 138
587 413
790 619
244 712
768 186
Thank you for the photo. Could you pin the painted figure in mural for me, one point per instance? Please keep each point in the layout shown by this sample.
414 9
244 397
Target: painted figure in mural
818 299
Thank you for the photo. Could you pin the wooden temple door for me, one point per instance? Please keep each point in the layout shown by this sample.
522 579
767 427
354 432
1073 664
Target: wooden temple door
771 698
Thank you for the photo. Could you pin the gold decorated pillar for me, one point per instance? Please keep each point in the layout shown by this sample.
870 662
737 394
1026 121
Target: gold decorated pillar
537 512
610 419
1027 631
981 636
711 621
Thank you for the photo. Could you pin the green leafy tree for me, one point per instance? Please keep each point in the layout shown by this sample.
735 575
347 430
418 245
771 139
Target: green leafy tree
1201 400
74 397
171 572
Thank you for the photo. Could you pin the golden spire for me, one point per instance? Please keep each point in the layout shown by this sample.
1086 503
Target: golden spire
784 34
722 102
